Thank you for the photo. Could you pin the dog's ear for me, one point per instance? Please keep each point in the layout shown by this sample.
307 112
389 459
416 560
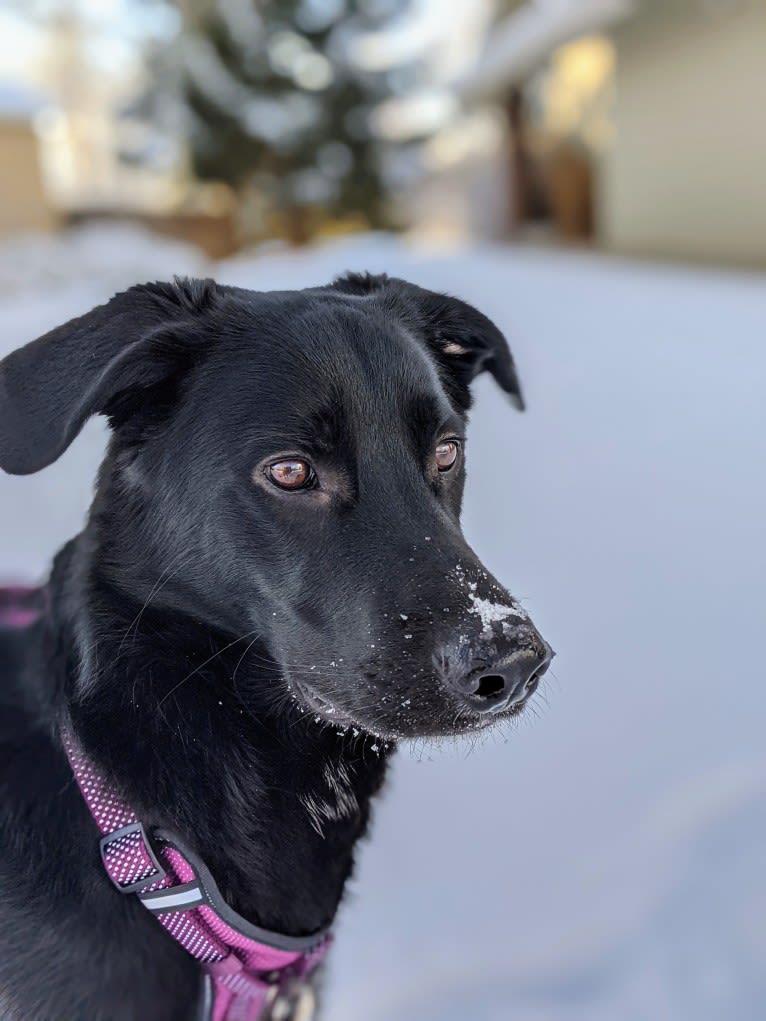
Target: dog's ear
462 339
465 343
49 388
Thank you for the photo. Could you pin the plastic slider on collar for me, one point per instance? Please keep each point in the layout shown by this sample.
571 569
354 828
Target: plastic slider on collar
129 859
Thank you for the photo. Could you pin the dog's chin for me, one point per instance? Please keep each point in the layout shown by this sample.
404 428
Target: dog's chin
448 722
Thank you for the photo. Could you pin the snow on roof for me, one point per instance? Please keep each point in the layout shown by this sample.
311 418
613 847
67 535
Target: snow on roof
521 42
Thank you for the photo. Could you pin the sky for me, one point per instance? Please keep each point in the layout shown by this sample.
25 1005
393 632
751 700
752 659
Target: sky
116 27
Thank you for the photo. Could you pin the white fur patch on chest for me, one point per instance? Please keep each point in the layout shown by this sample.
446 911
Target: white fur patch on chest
340 802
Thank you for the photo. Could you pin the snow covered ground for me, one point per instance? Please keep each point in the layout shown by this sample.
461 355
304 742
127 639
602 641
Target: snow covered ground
604 862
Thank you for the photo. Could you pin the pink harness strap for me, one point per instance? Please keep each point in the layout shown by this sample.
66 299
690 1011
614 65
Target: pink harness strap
19 606
249 973
247 969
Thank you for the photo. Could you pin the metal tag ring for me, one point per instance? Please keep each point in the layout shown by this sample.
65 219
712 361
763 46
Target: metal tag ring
293 1000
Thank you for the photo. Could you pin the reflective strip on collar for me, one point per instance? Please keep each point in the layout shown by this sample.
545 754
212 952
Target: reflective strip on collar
177 898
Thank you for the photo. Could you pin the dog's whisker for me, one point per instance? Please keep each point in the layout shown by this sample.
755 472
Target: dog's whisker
164 578
202 665
240 661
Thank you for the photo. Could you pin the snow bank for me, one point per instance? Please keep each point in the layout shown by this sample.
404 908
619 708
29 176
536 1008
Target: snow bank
603 861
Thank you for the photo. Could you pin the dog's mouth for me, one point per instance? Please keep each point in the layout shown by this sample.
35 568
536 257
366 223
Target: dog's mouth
467 720
325 710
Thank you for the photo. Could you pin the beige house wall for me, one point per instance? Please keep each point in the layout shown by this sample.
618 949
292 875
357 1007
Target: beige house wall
24 205
686 174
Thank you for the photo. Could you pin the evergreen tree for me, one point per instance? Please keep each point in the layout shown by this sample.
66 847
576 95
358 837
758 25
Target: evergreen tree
275 107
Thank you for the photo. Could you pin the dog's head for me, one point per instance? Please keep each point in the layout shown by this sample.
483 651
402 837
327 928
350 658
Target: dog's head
289 467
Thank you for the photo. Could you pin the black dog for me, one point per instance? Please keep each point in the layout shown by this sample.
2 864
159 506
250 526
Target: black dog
271 591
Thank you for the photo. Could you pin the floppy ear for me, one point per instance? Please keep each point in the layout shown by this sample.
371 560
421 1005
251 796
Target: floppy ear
49 388
463 340
465 343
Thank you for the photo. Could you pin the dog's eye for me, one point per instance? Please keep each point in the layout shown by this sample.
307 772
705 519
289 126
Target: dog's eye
291 474
446 455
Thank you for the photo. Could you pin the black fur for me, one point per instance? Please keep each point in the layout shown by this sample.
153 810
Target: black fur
224 650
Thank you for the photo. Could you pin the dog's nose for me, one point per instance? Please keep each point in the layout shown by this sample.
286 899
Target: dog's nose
507 682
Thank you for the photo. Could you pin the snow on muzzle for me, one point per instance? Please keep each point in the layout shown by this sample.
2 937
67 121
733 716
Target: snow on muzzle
494 661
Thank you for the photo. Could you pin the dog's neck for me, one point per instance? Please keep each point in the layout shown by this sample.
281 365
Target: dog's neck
201 737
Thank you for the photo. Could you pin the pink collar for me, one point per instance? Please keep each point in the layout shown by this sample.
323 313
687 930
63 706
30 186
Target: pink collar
249 973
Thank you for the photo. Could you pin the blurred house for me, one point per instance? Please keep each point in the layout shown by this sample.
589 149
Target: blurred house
686 175
24 202
518 157
636 125
64 130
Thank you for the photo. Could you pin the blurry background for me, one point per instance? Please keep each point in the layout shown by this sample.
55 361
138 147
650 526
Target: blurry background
633 127
591 174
